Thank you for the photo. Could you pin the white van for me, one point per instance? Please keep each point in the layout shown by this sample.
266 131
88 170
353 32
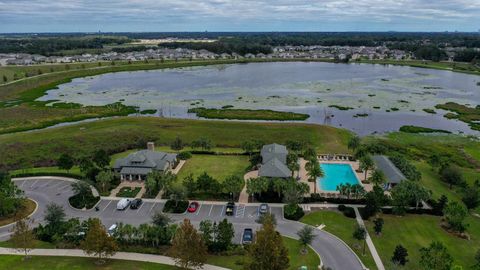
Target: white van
112 229
123 204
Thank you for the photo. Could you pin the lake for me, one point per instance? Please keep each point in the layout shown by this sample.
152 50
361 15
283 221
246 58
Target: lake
391 96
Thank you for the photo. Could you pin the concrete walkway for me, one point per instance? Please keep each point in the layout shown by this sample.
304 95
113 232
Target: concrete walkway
243 198
118 256
370 244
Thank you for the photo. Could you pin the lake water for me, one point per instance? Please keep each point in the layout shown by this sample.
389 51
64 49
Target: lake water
392 96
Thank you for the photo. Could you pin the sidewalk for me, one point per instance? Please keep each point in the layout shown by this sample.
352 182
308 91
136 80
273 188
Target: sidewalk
118 256
370 244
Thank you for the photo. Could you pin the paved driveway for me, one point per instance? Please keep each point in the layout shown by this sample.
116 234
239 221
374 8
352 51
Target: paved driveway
334 253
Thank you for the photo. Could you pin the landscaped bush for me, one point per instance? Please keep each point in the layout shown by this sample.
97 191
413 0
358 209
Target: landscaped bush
341 207
175 207
184 155
293 212
315 197
128 192
90 201
60 174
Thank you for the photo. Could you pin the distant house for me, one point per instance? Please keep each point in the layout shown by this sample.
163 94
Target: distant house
274 161
137 165
393 175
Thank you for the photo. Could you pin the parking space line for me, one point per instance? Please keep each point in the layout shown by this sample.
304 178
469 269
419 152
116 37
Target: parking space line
223 209
152 207
23 183
31 187
62 188
140 207
210 212
109 202
198 210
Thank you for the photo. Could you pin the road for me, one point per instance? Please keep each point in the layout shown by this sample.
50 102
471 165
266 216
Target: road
333 252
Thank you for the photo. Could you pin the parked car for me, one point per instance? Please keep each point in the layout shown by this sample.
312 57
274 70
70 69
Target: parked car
230 209
135 204
193 207
263 209
112 229
123 204
247 237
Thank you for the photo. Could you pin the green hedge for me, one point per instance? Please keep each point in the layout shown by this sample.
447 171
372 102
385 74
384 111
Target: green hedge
170 207
61 174
90 201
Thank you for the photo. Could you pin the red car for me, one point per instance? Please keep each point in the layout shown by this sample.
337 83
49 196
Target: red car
193 207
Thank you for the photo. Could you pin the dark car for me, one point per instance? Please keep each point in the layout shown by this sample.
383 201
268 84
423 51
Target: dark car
230 209
247 237
193 207
135 204
263 209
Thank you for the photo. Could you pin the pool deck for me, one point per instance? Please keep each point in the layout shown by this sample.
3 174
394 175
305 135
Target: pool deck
355 166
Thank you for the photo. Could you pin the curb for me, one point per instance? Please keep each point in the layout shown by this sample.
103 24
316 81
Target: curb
29 216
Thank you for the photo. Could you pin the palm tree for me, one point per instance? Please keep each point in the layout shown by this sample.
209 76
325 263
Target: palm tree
354 143
314 173
82 189
366 164
377 177
358 191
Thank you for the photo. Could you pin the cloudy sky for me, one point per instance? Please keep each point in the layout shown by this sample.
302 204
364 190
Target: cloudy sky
238 15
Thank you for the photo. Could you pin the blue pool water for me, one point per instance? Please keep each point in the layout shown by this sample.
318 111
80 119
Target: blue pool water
336 174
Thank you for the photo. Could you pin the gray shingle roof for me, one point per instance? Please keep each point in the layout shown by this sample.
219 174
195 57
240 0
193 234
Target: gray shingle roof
392 173
274 168
272 151
146 159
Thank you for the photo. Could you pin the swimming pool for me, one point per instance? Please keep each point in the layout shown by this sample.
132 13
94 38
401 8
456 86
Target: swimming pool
336 174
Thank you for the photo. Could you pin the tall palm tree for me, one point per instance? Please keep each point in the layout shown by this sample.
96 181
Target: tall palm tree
354 143
377 177
366 164
313 173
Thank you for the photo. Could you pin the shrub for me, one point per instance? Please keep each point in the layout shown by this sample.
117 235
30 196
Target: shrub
341 207
90 201
408 169
184 155
349 212
175 207
293 212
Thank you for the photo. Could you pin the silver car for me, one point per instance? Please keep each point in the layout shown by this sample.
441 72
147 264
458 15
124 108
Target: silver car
263 209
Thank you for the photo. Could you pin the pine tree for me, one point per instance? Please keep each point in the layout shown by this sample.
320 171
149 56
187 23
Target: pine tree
188 247
23 237
268 252
400 255
97 242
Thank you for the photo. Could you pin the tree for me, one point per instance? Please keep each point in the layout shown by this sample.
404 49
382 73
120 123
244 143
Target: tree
407 193
54 216
103 179
361 235
207 183
294 191
295 146
455 215
224 235
151 183
233 185
23 238
101 158
177 144
65 162
306 237
268 251
310 153
97 242
82 189
313 173
354 143
374 200
378 225
160 219
5 79
204 143
477 259
400 255
10 196
292 162
471 196
189 184
366 164
188 247
248 147
208 229
435 257
358 191
377 178
177 194
452 176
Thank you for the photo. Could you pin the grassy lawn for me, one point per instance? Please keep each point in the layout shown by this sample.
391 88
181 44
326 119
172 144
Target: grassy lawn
29 207
128 192
37 244
42 148
217 166
417 231
342 227
67 263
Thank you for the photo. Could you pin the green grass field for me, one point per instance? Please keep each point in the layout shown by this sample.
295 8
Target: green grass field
217 166
42 148
342 227
417 231
246 114
66 263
